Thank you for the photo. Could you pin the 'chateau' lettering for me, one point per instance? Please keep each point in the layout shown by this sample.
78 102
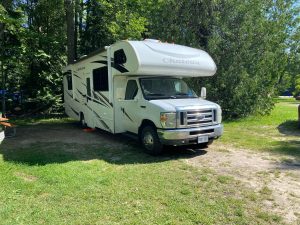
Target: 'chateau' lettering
181 61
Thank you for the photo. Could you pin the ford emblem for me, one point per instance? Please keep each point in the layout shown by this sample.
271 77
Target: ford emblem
201 117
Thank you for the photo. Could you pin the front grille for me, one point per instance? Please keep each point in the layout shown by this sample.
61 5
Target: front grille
199 118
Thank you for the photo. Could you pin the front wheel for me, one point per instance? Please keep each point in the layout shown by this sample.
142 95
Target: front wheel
150 141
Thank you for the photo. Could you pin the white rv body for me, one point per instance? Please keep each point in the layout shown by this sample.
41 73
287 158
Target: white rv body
97 91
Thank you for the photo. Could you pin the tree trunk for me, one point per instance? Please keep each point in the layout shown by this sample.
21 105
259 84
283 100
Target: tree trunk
81 9
69 7
77 10
80 28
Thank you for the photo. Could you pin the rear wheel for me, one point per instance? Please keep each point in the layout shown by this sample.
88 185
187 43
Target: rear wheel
82 121
150 141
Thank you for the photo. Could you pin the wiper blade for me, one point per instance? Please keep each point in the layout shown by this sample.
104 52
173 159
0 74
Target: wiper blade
181 93
154 94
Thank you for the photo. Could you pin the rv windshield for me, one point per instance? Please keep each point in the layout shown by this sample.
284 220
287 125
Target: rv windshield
165 88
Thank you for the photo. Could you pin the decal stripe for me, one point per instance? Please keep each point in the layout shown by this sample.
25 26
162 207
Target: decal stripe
100 61
105 101
103 123
118 67
103 96
74 111
75 75
94 100
83 95
128 116
69 94
125 113
88 107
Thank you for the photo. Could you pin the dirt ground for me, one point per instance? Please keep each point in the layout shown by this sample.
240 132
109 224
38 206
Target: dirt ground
262 172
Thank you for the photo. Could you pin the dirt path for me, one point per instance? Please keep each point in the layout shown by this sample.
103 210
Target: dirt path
262 172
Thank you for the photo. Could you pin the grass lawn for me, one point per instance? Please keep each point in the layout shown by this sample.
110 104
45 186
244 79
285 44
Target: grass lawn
94 183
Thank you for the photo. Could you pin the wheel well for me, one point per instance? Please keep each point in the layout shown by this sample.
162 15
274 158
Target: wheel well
146 123
81 116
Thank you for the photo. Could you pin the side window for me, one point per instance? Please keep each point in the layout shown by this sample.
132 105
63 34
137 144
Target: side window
88 87
69 81
131 90
120 57
100 79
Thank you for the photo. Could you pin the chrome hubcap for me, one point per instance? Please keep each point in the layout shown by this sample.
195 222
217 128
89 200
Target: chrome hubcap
148 140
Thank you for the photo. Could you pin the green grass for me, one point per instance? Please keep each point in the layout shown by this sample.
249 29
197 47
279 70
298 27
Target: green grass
53 185
69 183
41 120
276 133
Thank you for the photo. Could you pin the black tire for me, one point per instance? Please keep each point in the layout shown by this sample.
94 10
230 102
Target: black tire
150 140
82 121
210 141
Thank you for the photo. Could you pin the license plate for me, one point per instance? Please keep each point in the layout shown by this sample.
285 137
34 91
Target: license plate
202 139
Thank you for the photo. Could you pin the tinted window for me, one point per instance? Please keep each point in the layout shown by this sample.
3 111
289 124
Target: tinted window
100 79
131 90
69 81
88 86
120 57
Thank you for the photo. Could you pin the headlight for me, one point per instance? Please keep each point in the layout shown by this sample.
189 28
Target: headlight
168 120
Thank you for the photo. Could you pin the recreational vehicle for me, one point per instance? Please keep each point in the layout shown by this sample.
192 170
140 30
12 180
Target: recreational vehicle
138 87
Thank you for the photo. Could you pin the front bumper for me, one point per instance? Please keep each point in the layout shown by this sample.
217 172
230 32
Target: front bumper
189 135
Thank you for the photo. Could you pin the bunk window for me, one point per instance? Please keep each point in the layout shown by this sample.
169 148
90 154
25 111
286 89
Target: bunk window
131 90
120 57
100 79
69 81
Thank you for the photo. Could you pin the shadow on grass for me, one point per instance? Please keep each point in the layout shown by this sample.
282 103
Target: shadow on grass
289 127
33 146
289 148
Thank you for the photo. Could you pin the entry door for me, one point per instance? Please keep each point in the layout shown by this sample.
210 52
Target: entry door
129 107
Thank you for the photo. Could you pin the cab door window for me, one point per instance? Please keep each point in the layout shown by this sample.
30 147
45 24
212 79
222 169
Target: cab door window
131 90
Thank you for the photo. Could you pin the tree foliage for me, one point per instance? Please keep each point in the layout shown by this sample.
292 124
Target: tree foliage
255 43
248 40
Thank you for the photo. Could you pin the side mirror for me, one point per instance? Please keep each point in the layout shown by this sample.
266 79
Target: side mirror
203 92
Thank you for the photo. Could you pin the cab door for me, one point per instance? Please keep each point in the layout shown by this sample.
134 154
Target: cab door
130 107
